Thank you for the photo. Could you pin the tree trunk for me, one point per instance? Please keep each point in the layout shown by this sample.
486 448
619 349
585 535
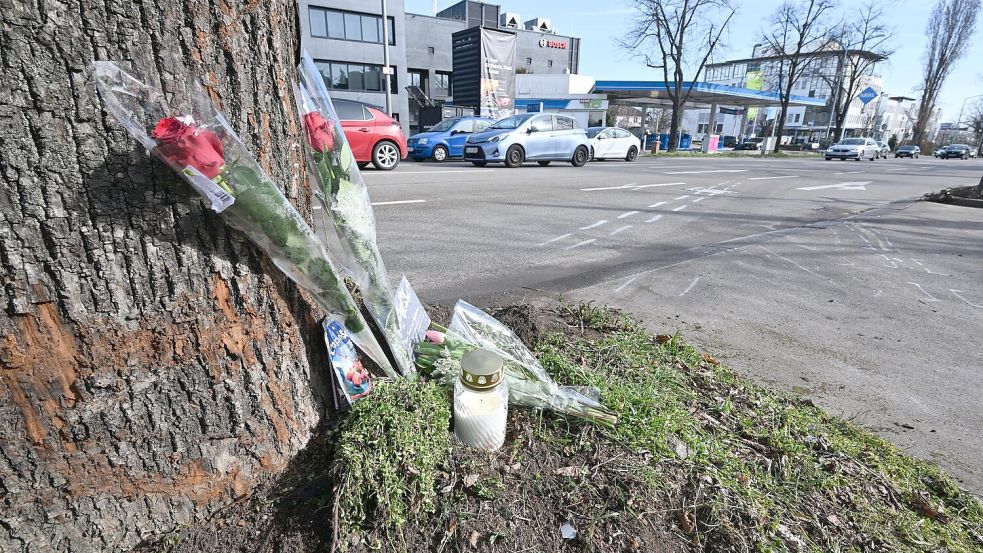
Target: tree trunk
154 366
675 120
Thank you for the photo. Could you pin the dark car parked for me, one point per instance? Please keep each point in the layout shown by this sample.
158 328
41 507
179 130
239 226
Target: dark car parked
959 151
908 151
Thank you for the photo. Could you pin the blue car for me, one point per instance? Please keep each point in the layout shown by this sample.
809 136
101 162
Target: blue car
445 139
539 137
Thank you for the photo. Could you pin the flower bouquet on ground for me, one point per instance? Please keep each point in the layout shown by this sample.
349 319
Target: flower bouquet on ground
529 384
194 139
348 224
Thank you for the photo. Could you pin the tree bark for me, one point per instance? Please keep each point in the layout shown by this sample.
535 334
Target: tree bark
154 366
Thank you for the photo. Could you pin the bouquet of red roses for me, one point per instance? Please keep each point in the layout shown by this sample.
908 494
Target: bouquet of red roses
194 139
349 223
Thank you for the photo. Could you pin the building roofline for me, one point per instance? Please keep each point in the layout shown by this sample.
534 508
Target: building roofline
821 53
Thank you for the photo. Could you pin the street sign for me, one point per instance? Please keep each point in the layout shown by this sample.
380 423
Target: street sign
867 95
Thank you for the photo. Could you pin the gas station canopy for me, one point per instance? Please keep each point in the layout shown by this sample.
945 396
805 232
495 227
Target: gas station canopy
703 95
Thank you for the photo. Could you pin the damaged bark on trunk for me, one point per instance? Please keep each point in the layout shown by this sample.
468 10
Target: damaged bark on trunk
154 366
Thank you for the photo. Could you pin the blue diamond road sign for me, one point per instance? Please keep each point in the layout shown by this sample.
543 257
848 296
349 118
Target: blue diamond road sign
867 95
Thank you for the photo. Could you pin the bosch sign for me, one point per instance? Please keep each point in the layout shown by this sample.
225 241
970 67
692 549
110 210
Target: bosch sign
543 43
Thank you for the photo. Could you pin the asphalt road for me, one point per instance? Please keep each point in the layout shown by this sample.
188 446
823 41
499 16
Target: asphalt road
821 277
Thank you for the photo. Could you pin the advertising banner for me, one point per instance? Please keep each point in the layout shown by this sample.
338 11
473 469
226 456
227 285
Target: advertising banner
497 74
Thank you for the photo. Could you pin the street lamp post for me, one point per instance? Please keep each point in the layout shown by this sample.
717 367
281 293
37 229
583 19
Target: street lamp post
386 68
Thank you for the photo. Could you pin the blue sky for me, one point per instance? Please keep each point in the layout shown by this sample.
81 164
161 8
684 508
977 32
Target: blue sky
600 23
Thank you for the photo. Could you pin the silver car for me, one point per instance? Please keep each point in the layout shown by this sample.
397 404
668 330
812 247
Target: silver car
854 148
539 137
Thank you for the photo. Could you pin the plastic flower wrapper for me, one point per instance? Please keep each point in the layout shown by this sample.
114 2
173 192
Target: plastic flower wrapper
194 139
529 384
348 224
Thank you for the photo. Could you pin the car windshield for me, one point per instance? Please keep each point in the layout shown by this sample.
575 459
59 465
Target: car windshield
853 142
907 148
444 125
591 133
958 146
510 122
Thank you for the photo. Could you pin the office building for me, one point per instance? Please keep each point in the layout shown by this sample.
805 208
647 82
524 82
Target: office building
345 39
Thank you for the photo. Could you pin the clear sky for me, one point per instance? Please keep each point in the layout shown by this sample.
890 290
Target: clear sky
600 23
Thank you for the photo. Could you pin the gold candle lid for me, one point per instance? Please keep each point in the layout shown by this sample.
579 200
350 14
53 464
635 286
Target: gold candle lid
481 369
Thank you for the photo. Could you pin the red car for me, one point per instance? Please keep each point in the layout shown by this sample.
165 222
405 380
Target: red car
374 136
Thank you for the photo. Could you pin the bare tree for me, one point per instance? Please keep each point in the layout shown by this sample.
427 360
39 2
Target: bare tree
949 30
682 35
864 41
797 30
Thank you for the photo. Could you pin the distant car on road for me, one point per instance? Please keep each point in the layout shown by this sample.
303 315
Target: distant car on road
445 139
958 151
749 144
539 137
885 149
612 142
908 151
374 136
854 148
938 152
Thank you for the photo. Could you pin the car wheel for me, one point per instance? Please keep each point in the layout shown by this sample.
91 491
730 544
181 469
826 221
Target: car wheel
479 163
591 157
385 155
514 156
439 153
829 159
579 156
632 154
543 163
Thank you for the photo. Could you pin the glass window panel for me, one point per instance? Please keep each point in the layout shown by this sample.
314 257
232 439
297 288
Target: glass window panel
373 78
481 125
339 76
392 32
319 26
370 29
336 24
564 123
542 123
325 70
356 77
349 111
465 126
353 26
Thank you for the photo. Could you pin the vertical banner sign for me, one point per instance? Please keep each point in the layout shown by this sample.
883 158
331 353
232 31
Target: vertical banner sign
754 80
497 74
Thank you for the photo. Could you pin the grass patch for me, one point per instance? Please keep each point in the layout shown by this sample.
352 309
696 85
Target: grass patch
759 469
388 452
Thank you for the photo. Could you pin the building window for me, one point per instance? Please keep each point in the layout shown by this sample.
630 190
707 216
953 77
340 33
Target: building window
430 50
353 26
549 63
528 61
357 77
442 84
418 78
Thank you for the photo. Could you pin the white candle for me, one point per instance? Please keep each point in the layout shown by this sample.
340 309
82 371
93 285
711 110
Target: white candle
479 419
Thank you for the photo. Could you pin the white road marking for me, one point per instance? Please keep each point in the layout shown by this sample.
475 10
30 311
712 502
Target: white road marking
625 285
710 191
704 172
654 219
657 204
680 208
595 225
578 244
927 295
619 230
927 270
862 185
627 214
700 199
958 292
683 197
397 202
782 257
692 284
557 239
631 186
780 177
849 173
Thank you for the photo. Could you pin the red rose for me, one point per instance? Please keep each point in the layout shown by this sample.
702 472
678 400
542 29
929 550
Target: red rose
182 145
319 132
